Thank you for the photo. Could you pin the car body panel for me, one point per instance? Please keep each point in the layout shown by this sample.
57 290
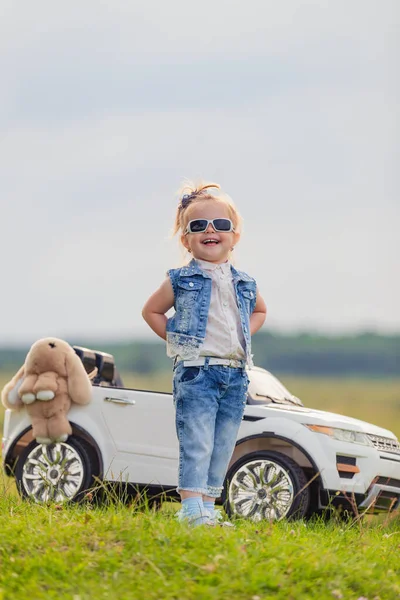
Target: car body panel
135 434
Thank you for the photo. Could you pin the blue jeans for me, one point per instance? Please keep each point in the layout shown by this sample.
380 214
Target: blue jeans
209 403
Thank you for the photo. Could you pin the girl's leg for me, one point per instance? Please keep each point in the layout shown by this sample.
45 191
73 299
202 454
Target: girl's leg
185 494
227 423
208 499
196 408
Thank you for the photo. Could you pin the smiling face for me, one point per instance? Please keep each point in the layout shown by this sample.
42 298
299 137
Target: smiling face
213 246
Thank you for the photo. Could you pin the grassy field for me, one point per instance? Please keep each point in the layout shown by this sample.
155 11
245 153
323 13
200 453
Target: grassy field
123 552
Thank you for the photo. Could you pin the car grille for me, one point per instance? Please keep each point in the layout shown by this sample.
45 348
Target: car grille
384 444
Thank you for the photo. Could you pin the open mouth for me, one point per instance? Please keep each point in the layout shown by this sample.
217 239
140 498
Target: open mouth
210 242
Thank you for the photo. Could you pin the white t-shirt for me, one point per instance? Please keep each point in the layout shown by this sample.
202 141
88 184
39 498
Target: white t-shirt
224 336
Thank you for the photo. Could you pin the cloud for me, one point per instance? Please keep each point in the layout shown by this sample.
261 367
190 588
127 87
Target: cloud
291 106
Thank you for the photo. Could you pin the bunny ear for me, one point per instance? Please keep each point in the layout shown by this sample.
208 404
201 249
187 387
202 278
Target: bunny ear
79 386
9 395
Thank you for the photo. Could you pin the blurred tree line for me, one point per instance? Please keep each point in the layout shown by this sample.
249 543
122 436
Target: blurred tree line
366 354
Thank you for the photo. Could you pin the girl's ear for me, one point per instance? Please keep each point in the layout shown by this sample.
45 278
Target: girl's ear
185 242
236 237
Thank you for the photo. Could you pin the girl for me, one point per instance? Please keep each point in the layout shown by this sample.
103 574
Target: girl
217 309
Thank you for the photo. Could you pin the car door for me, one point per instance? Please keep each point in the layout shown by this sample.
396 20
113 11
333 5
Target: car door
142 426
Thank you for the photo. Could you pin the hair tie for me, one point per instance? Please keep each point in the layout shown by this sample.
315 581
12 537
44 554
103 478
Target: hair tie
186 199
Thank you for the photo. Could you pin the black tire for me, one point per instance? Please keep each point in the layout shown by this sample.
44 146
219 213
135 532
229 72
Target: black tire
58 472
250 488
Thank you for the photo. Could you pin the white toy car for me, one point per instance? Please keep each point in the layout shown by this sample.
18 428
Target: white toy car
289 461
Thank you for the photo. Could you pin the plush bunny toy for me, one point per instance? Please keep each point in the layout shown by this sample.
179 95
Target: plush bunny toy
52 377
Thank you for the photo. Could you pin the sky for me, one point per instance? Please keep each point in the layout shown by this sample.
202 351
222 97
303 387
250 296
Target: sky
291 106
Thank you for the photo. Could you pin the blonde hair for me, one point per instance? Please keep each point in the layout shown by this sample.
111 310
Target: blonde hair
191 193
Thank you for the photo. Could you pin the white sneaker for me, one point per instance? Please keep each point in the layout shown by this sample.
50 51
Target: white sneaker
216 518
194 520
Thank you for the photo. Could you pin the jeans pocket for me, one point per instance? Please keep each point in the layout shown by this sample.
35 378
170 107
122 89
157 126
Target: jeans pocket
190 374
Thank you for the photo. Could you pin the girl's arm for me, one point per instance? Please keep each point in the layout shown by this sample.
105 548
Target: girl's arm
156 306
258 315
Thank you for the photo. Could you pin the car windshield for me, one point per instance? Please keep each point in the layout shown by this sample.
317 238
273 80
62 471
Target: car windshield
265 388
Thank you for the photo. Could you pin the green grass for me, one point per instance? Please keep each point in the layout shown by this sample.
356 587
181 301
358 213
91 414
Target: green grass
127 551
124 552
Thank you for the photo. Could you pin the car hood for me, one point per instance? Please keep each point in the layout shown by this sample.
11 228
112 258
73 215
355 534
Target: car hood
310 416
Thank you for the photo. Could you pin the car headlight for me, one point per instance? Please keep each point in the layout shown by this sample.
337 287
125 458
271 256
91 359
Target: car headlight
343 435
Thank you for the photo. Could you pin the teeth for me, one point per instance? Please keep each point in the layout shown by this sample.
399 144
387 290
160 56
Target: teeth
210 240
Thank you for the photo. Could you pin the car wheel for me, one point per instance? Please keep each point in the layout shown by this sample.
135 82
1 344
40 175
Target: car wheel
266 485
58 472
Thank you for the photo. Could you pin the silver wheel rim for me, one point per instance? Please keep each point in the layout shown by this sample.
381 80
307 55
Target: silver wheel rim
52 472
261 489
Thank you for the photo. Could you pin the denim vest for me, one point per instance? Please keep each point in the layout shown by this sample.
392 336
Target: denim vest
186 329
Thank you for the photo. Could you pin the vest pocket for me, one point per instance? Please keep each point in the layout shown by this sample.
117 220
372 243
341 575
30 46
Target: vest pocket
189 286
249 294
187 294
249 298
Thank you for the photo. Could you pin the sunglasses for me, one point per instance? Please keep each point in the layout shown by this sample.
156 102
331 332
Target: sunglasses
200 225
